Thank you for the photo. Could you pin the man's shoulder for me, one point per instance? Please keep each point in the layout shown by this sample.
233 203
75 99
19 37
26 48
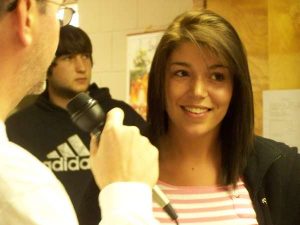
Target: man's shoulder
121 104
103 96
109 103
27 162
24 113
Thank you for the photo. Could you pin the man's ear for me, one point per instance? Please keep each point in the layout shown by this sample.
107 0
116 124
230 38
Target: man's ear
24 18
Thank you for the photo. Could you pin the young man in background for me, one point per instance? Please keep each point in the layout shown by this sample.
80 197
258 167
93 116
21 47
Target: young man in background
46 130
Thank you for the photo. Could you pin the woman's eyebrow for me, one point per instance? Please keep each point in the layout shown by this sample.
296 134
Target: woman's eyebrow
215 66
180 64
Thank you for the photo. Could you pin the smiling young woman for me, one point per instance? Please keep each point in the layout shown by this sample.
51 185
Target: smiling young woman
200 111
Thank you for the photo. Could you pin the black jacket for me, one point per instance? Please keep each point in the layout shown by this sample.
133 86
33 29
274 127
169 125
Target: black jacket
48 133
272 178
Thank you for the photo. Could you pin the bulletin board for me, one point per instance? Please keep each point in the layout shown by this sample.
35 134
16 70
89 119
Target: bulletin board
140 51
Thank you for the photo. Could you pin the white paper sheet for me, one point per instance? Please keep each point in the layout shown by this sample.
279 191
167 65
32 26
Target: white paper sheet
281 116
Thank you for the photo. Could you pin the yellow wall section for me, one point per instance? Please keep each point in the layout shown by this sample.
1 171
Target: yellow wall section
284 44
270 31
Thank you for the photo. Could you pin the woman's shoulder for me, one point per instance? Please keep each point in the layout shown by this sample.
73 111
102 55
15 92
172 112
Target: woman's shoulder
272 158
265 145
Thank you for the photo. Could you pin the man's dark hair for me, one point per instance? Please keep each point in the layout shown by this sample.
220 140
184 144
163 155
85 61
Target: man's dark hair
72 40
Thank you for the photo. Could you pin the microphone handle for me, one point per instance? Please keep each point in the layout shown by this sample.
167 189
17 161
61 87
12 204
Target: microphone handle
161 199
81 107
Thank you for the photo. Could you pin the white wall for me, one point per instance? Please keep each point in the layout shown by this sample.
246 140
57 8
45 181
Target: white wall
108 22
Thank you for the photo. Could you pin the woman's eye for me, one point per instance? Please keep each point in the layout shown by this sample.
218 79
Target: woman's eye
218 76
181 73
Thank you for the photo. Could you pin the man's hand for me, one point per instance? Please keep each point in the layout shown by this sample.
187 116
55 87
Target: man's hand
122 154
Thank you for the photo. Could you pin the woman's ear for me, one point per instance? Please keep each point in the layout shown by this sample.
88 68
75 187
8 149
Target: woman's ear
24 18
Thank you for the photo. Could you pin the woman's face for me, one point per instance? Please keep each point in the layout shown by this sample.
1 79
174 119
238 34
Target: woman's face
198 90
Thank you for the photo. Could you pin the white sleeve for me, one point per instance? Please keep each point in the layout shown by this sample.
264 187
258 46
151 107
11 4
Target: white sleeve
30 193
126 203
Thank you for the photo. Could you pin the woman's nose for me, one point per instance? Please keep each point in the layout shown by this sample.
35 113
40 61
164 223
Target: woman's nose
199 87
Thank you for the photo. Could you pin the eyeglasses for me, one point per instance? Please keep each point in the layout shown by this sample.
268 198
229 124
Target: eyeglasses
64 14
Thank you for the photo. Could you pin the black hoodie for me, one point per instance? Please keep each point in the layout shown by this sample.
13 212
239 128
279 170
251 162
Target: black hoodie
48 132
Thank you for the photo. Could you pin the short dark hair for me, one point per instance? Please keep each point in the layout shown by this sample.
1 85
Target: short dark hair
207 29
72 40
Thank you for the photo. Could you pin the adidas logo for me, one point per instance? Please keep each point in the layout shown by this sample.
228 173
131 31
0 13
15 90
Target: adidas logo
69 156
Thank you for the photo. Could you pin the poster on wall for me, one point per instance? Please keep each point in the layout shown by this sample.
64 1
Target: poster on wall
281 120
140 51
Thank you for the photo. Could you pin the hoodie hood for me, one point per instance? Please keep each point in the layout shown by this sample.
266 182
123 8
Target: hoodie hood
102 94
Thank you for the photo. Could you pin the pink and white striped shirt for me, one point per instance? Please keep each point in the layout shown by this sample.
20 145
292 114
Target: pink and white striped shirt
214 205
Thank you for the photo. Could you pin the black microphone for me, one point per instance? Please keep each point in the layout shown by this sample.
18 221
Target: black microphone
88 115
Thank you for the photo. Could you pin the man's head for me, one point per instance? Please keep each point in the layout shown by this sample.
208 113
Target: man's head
73 40
29 35
70 71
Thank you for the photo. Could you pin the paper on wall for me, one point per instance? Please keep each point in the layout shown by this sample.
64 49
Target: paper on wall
281 116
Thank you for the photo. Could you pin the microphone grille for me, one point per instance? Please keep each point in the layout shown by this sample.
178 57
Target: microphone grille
79 102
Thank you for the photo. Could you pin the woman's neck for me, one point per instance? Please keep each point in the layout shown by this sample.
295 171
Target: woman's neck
190 161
